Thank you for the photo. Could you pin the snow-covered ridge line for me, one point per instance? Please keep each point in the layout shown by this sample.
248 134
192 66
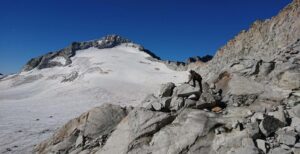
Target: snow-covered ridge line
64 55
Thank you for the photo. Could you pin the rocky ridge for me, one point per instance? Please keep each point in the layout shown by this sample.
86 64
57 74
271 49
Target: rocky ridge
249 104
63 56
50 59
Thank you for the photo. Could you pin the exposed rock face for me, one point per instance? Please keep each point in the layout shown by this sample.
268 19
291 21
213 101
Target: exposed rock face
89 130
267 52
174 65
249 103
199 59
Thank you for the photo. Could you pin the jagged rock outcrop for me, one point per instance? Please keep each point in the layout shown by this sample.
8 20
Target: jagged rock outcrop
267 52
175 65
203 59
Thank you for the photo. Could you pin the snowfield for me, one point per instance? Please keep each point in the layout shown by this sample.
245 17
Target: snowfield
33 104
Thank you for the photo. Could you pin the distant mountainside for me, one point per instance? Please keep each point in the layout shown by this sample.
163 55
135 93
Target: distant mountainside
65 54
248 103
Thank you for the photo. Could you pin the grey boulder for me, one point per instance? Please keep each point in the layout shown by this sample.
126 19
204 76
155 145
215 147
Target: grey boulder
185 90
270 125
166 90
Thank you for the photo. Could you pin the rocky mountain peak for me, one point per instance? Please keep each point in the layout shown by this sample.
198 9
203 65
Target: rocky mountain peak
109 41
112 40
194 59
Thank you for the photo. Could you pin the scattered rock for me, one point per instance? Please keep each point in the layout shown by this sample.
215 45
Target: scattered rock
190 103
296 124
279 150
176 103
157 106
166 90
242 100
79 141
185 90
261 144
147 102
70 77
166 102
286 137
280 115
270 125
257 116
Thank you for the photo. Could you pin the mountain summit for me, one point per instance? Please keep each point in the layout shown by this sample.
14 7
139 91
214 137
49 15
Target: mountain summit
64 55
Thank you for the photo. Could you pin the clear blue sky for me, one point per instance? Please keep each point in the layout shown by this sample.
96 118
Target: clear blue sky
173 29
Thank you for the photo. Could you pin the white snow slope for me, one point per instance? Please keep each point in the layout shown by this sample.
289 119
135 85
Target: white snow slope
33 104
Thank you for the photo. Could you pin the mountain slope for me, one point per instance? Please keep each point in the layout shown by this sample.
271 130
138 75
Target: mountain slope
272 40
36 101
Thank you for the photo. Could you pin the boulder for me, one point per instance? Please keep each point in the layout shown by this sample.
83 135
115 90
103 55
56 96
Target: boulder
97 122
166 102
166 90
258 116
176 103
70 77
190 103
261 144
246 147
286 137
280 115
143 124
185 90
295 111
290 80
189 126
234 142
242 100
207 97
270 125
280 150
296 124
253 130
147 102
157 106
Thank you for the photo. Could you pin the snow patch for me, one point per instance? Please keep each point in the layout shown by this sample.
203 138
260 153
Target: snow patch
59 59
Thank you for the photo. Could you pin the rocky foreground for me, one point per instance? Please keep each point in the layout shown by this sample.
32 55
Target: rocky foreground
249 104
